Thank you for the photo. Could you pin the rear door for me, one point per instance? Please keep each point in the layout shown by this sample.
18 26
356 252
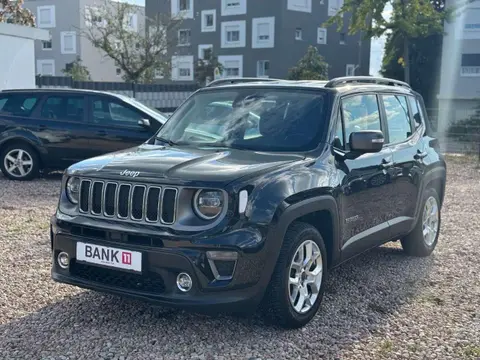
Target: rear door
113 125
405 139
59 122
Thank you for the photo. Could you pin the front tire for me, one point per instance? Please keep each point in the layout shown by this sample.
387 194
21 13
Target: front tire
424 237
297 286
19 161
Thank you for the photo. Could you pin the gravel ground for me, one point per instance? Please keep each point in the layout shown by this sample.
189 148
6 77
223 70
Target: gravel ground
381 305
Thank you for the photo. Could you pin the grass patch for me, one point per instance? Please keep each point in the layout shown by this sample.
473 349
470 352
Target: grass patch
472 352
386 347
472 159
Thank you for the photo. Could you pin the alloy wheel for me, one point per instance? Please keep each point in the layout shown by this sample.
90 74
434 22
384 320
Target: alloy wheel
305 276
18 163
430 221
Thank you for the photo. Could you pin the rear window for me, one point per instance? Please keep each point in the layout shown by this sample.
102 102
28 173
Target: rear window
18 104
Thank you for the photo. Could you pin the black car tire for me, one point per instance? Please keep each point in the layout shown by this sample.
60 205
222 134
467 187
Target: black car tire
414 243
276 305
35 168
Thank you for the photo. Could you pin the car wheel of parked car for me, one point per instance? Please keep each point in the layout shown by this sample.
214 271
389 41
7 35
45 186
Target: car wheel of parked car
298 282
19 162
424 237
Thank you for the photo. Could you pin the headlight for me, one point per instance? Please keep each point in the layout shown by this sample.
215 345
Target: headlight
208 204
73 189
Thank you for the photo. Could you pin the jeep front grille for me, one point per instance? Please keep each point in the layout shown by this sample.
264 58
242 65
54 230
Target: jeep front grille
125 201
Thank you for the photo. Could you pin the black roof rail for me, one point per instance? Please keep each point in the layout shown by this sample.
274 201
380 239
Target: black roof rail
235 80
366 80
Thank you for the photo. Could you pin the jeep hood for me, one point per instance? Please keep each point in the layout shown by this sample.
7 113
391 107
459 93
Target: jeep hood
181 165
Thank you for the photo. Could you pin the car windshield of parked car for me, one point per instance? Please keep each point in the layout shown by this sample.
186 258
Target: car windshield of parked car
256 119
159 116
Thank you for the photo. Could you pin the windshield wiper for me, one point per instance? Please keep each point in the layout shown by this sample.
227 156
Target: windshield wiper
168 141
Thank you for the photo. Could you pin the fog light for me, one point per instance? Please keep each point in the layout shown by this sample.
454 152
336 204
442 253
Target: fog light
184 282
63 260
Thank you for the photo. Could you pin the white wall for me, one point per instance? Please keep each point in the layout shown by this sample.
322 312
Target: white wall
17 55
17 65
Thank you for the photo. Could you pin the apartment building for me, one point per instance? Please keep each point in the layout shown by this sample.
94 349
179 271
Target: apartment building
460 67
66 20
260 38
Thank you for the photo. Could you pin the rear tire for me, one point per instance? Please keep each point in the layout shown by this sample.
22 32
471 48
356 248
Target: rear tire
19 161
424 237
282 302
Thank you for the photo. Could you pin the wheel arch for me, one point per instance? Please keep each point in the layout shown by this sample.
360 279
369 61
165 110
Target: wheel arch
322 213
24 140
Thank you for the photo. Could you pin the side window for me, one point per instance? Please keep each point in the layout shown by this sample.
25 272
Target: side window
69 108
106 111
417 113
360 112
398 120
18 104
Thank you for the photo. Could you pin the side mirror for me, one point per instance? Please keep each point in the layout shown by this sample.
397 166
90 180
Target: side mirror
144 123
366 141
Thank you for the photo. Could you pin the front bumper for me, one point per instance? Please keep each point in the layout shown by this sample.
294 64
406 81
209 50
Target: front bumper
162 260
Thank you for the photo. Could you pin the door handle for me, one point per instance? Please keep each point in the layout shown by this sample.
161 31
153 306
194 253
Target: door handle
420 155
42 127
101 133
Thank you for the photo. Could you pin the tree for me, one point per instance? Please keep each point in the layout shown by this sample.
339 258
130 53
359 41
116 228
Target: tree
77 71
137 52
311 67
12 11
205 69
410 19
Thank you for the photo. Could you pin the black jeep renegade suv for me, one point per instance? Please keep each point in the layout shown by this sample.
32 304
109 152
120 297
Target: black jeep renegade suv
250 194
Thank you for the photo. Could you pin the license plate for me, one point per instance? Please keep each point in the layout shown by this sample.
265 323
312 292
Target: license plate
108 256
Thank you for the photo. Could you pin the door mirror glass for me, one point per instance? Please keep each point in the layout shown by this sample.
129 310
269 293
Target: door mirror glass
366 141
144 123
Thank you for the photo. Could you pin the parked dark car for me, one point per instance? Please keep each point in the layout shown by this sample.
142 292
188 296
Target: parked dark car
51 129
251 193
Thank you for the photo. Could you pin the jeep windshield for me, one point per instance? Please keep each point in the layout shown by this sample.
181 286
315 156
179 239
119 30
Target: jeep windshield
258 119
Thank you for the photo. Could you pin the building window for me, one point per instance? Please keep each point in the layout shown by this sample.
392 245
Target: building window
159 74
322 36
47 45
350 71
262 68
300 5
182 9
233 34
342 38
470 65
93 16
182 68
232 65
46 67
132 22
209 20
118 71
205 51
263 32
184 37
68 42
334 7
46 16
298 34
234 7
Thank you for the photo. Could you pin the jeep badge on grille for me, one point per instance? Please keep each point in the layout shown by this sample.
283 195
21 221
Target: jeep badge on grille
130 173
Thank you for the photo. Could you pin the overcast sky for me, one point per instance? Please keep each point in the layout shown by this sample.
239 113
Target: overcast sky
376 53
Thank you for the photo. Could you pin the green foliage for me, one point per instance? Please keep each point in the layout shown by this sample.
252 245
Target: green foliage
12 11
311 66
205 68
77 71
467 130
137 53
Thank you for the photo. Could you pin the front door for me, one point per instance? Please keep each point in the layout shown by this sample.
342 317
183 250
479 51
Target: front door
366 186
113 125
